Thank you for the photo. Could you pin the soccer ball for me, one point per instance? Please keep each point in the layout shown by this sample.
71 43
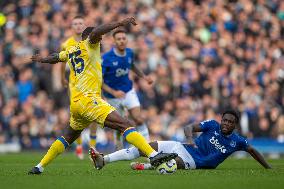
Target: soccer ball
168 167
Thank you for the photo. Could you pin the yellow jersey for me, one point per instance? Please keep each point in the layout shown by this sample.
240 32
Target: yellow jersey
69 42
84 60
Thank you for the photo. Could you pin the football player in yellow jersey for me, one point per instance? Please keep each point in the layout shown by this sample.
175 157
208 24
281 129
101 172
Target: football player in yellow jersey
78 26
86 104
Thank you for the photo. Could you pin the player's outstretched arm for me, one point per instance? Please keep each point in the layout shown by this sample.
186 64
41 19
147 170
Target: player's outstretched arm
50 59
258 157
190 129
96 35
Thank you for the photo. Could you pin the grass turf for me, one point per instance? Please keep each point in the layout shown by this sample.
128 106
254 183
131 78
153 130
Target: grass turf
69 172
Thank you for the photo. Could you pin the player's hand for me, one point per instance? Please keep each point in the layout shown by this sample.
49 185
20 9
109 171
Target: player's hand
130 20
118 94
36 58
149 80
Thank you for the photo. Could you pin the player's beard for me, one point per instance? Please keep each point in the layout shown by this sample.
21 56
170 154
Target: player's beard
121 47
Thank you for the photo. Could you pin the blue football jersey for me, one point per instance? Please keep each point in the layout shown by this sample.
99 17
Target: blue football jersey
116 69
213 147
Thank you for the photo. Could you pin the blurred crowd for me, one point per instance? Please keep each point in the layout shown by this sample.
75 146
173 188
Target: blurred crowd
204 55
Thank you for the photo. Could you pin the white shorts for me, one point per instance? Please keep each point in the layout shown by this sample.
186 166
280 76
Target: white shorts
129 101
177 147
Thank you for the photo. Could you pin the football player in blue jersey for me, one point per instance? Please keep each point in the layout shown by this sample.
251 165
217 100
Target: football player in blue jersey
217 142
118 88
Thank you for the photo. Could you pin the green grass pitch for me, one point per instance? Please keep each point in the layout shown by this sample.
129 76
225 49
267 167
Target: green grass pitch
69 172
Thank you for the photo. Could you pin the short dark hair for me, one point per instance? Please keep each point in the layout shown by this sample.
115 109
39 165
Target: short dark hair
78 16
87 32
118 30
234 113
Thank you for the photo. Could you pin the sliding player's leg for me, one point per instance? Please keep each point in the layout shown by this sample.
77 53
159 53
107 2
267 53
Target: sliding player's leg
115 121
133 153
129 154
57 147
100 160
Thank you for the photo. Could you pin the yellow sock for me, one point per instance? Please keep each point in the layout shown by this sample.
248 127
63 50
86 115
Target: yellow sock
55 149
137 140
79 140
93 140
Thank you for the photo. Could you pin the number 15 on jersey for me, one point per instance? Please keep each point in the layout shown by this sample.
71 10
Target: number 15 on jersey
77 62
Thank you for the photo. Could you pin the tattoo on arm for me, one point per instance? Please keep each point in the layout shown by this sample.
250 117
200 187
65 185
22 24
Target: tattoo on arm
96 35
51 59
